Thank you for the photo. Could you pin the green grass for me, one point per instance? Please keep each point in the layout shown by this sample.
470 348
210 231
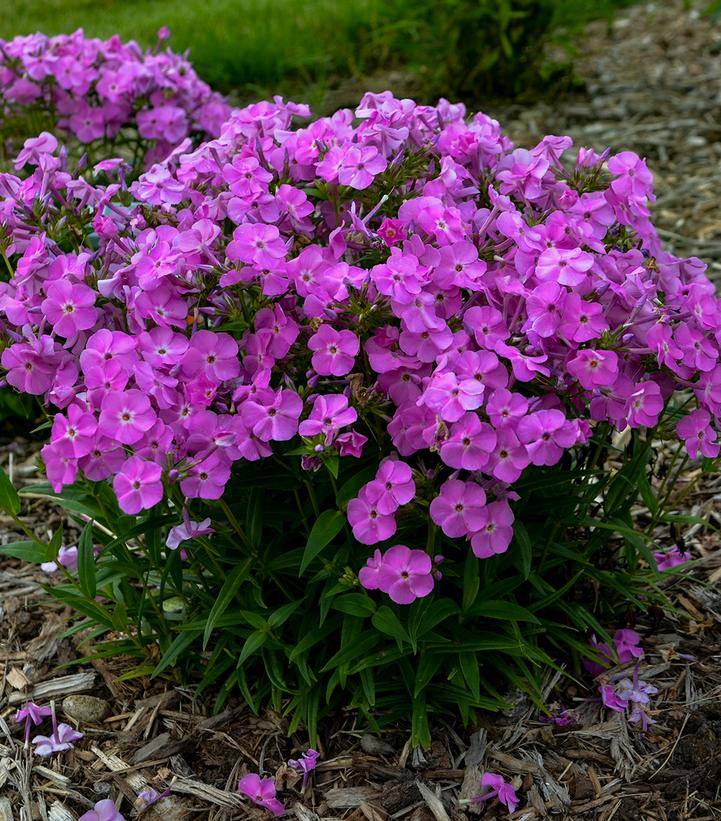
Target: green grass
246 44
300 47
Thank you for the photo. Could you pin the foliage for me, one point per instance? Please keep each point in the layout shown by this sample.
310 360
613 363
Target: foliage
388 352
475 47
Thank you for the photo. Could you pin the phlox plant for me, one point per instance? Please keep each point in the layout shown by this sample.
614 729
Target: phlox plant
103 95
353 412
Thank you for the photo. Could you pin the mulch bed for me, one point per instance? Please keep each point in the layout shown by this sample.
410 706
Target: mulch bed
653 85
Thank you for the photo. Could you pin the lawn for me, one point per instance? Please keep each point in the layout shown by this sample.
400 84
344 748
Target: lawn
260 47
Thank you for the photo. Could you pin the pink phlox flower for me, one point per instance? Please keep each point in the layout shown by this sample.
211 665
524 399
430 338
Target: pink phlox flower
496 786
306 763
67 557
187 530
403 574
125 416
70 308
594 368
261 791
392 487
495 532
627 645
329 414
369 525
665 560
460 508
470 443
138 485
104 810
32 714
698 435
334 352
61 739
603 657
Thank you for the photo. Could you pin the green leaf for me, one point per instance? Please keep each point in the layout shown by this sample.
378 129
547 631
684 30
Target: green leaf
86 562
471 580
355 604
177 648
504 610
360 646
230 587
252 644
471 672
9 499
385 620
525 548
327 526
27 551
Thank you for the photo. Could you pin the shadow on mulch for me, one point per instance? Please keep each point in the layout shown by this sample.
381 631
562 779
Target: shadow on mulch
151 734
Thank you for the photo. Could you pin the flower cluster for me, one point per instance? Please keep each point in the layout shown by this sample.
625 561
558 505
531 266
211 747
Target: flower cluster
630 695
262 791
399 283
626 649
96 89
62 737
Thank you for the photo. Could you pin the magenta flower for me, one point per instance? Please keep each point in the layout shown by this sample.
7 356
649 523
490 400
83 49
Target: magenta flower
460 509
546 435
329 414
272 416
671 558
370 526
594 369
67 557
62 738
470 444
138 486
261 791
334 351
627 646
215 355
359 166
125 416
73 433
32 714
187 530
306 763
496 786
69 308
104 810
392 487
403 574
30 365
610 699
698 434
496 530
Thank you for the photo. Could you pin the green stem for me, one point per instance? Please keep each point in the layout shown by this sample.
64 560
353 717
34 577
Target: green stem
234 523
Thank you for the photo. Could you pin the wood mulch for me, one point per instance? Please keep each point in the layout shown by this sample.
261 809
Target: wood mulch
653 85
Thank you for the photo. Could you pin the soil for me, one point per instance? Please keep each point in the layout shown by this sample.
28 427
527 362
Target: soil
652 85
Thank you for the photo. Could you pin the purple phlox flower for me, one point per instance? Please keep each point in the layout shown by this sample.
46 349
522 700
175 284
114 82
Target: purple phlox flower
67 558
496 786
603 657
187 531
32 714
150 796
665 560
404 574
104 810
62 738
627 645
261 791
559 715
306 763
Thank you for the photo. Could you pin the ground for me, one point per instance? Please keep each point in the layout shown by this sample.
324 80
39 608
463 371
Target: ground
652 85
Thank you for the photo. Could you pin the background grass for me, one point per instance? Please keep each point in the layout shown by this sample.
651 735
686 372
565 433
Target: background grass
303 47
